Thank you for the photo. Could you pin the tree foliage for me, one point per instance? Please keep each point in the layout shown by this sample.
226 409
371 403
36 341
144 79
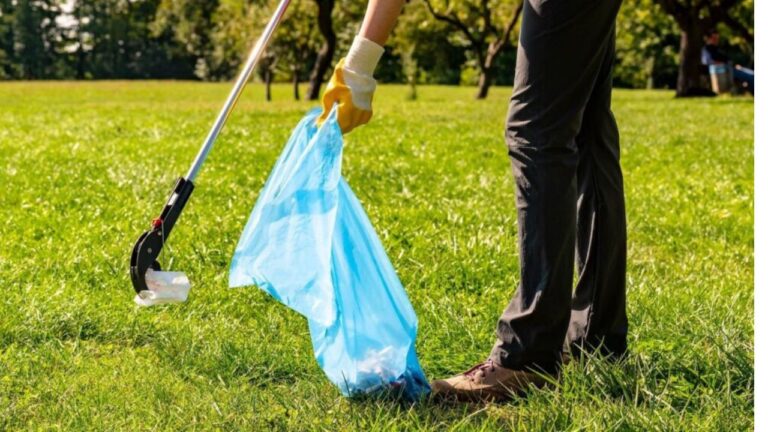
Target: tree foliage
325 54
436 52
435 41
646 44
694 18
189 23
32 38
486 26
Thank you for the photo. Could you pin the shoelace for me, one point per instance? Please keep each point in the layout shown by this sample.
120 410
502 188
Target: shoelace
480 369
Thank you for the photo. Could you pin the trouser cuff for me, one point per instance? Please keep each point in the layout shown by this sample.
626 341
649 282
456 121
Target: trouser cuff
548 363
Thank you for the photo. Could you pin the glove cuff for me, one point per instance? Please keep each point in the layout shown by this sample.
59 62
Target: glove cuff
361 88
363 56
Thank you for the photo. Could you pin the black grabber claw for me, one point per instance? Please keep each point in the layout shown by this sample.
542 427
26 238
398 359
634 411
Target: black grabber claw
150 243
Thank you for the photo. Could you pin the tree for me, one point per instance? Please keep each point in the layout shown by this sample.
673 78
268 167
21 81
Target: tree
420 42
740 20
296 42
7 57
104 41
190 24
235 25
646 46
292 47
487 26
737 29
325 55
266 71
238 23
695 17
114 39
405 46
34 34
155 54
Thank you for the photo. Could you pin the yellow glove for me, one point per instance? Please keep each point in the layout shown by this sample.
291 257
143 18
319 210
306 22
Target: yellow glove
352 85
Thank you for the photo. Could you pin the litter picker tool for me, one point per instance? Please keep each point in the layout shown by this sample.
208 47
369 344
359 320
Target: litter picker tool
151 284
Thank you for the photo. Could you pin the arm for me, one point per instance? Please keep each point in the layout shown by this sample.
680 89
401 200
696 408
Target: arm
380 18
367 48
352 84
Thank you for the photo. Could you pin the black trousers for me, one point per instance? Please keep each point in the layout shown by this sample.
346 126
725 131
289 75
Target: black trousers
564 145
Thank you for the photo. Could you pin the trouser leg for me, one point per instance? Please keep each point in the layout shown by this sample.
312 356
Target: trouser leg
561 51
598 309
746 77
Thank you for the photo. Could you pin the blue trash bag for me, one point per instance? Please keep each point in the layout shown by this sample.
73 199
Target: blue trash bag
310 245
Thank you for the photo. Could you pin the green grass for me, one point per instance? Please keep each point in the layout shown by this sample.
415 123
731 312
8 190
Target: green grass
84 167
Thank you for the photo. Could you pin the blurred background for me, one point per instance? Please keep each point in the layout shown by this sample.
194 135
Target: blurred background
455 42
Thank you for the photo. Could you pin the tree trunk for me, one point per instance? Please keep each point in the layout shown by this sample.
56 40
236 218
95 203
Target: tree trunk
486 73
413 93
268 84
650 65
80 72
296 84
483 85
80 61
325 56
10 51
689 73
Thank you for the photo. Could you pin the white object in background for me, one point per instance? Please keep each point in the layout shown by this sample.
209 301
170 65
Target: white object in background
164 287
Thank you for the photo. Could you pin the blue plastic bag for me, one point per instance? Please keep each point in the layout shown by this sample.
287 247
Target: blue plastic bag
310 245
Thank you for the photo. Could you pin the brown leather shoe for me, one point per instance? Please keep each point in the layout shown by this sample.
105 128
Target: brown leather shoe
487 382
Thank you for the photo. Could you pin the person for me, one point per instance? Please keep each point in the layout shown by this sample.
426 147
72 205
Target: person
564 145
712 55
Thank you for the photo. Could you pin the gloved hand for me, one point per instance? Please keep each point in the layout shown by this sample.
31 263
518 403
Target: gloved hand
352 85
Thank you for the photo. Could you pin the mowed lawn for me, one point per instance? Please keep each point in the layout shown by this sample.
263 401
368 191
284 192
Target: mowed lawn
84 167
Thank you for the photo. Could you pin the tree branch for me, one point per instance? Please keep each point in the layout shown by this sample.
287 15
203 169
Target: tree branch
487 21
504 39
511 24
672 7
740 28
454 21
727 4
719 12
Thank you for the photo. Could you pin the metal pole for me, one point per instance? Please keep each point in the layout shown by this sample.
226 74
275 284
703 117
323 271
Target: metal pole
234 95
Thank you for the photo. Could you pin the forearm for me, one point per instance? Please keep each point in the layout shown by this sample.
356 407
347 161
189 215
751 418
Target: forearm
367 48
352 85
380 18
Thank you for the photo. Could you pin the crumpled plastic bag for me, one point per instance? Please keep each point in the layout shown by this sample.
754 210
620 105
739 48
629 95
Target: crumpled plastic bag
164 287
310 245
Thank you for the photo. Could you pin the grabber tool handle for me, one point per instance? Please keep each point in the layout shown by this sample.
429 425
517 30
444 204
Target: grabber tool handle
237 90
